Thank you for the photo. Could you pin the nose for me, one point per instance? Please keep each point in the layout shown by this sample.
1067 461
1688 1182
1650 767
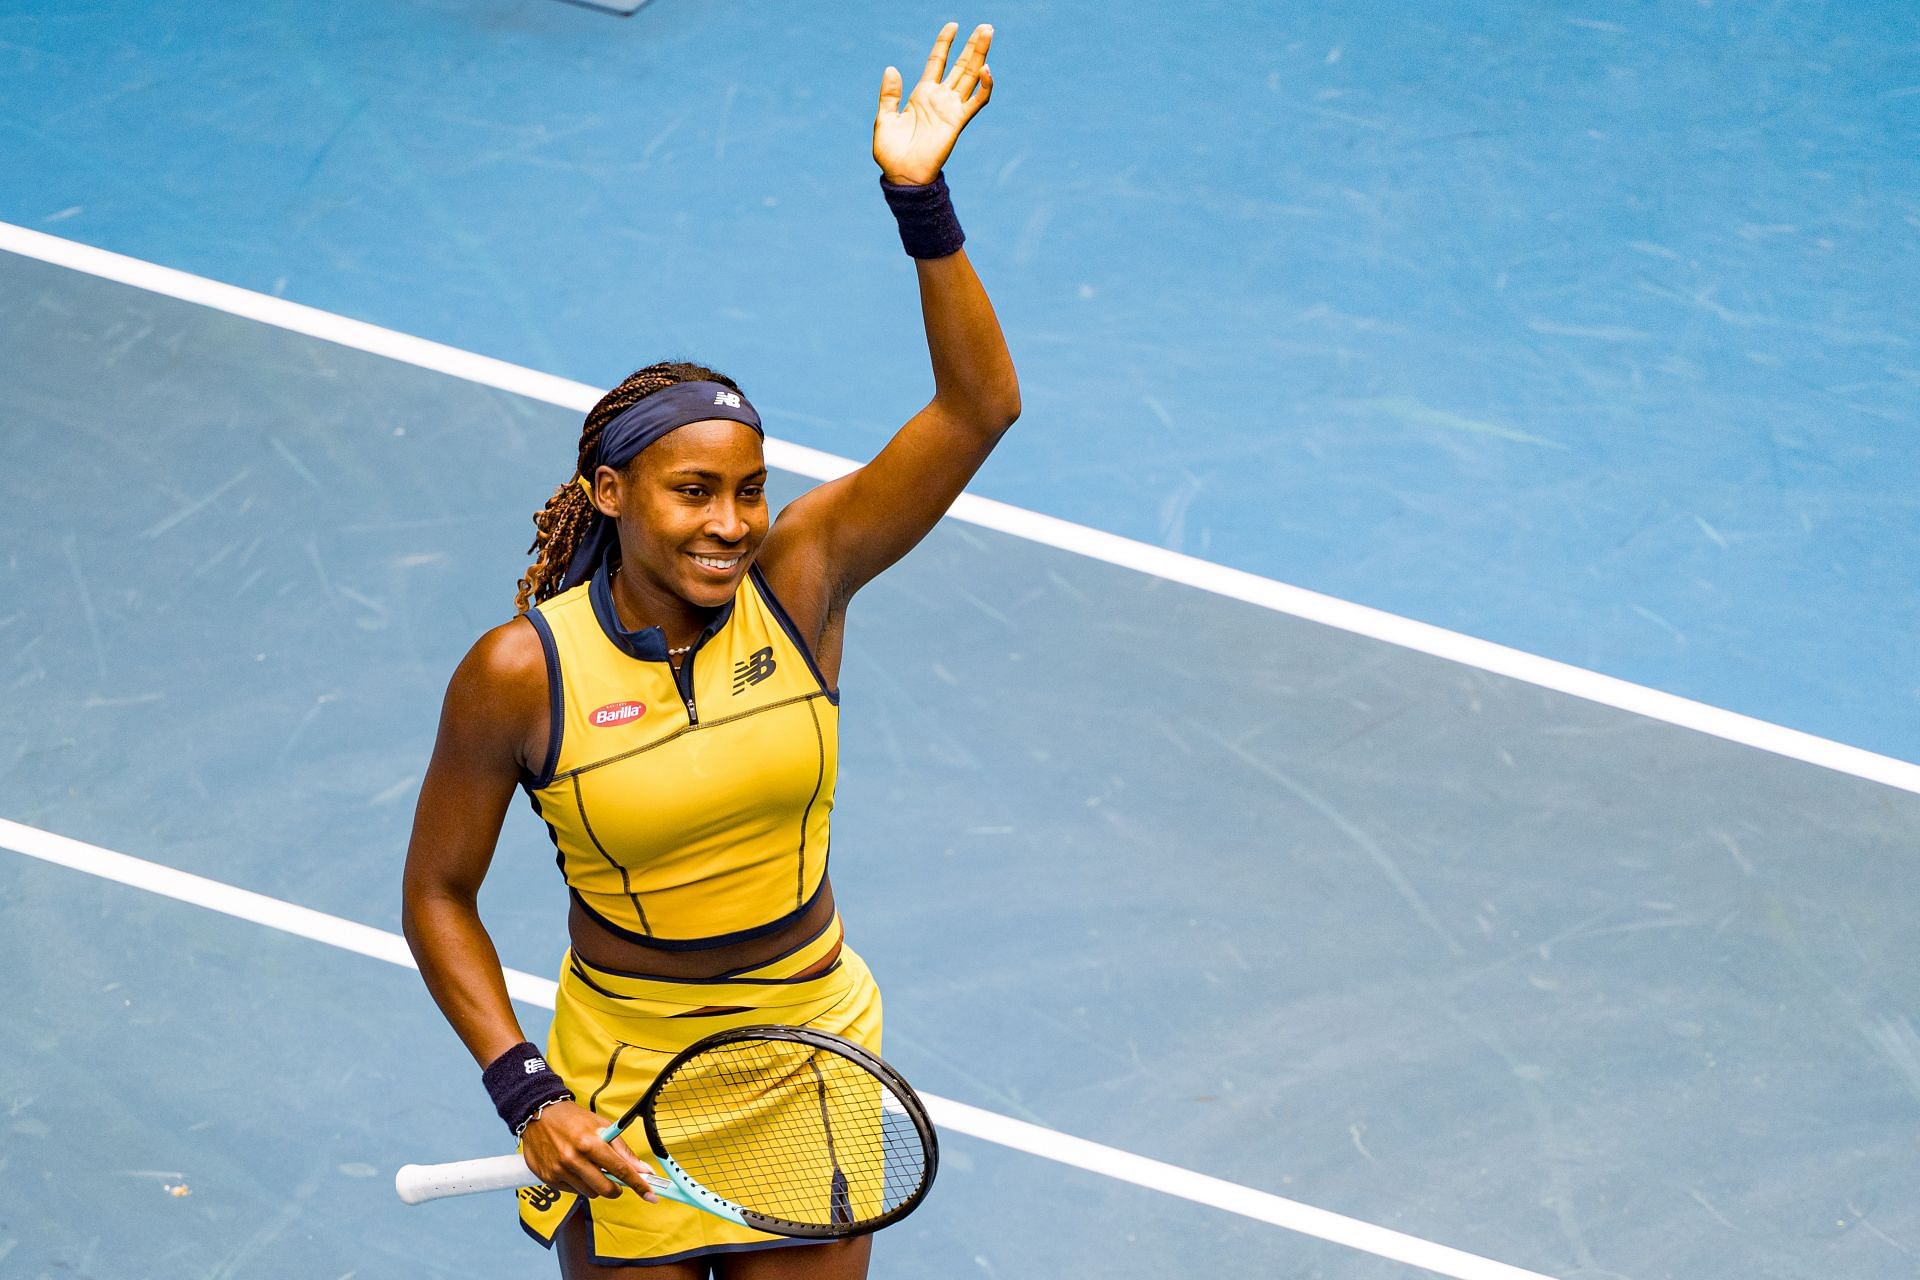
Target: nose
725 521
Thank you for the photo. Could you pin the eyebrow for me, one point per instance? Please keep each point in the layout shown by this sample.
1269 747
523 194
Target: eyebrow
700 473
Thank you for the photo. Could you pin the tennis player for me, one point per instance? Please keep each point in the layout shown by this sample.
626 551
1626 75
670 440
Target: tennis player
667 697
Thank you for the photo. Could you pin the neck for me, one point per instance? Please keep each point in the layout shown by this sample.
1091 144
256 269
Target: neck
639 607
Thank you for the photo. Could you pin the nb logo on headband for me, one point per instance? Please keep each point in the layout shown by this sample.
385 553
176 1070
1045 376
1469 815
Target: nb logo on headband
728 399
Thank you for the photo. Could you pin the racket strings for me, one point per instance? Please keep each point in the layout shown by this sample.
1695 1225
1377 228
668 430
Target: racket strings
793 1132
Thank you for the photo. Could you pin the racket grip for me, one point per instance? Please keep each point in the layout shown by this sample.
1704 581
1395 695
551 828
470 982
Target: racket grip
418 1182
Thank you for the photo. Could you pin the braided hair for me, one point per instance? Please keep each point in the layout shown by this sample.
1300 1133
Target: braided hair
559 526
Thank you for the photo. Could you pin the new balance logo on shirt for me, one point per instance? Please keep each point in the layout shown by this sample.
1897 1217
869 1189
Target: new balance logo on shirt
753 670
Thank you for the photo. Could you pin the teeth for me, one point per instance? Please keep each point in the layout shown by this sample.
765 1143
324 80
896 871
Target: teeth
714 562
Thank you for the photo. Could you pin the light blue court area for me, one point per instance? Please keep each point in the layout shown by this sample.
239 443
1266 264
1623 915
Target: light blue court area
1567 989
1585 329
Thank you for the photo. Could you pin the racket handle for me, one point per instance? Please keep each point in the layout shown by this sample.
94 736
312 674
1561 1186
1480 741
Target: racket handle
418 1182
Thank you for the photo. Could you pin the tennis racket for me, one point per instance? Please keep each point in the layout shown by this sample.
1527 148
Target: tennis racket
783 1129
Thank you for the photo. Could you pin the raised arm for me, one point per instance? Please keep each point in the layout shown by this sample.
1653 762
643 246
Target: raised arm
831 541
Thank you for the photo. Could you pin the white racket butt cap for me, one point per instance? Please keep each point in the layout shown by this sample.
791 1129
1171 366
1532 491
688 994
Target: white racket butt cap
418 1182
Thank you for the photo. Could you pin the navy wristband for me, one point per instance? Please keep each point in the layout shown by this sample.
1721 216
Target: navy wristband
520 1083
928 228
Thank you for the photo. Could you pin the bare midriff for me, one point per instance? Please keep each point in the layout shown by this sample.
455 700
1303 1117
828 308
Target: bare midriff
603 950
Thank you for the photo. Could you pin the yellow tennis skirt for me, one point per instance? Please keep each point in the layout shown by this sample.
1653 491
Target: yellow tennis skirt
613 1033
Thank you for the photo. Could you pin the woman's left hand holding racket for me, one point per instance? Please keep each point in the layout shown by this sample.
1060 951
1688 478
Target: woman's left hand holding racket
564 1147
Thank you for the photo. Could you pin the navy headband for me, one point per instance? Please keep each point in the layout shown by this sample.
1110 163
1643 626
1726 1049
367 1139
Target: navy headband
667 409
623 439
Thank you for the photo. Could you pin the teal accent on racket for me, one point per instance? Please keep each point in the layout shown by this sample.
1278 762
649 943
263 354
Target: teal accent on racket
786 1130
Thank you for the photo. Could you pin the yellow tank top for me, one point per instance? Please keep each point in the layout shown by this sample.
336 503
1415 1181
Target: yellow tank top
689 810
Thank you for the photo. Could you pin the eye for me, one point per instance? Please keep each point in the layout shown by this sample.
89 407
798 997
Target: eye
753 491
693 490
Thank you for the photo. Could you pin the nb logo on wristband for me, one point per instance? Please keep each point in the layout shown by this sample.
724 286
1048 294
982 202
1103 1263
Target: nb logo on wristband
534 1066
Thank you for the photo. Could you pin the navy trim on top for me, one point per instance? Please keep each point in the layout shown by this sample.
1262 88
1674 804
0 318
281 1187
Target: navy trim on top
700 944
793 633
559 854
649 644
556 703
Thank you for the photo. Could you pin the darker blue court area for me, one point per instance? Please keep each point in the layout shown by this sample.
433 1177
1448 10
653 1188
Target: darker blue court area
1588 331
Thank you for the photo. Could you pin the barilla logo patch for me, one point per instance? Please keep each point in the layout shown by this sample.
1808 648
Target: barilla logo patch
617 713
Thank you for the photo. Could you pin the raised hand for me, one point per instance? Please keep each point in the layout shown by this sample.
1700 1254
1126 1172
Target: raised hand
911 145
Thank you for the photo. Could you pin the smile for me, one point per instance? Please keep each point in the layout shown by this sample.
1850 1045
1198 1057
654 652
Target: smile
722 563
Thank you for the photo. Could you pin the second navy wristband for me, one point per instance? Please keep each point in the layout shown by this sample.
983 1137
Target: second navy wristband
520 1082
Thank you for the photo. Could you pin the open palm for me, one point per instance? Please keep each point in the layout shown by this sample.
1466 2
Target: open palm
911 145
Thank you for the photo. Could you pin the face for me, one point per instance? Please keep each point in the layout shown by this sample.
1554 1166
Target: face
692 510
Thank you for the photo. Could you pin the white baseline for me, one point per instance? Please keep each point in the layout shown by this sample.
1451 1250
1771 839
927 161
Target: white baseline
958 1117
1143 557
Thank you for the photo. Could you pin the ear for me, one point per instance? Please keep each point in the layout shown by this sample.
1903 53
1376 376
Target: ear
609 486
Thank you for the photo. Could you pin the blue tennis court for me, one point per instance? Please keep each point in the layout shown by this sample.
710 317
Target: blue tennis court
1586 334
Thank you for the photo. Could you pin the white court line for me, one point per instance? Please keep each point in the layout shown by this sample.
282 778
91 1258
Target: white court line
1019 1135
1111 548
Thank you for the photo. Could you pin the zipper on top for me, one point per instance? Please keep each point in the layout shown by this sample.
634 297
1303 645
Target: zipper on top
683 681
683 674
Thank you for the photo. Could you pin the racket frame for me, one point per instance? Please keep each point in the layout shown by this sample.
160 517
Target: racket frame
417 1183
691 1191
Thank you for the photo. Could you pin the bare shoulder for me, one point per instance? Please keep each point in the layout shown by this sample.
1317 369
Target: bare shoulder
497 699
492 724
509 654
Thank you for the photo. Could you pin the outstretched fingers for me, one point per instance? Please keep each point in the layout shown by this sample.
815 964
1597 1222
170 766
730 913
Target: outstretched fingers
890 87
937 60
981 93
966 71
